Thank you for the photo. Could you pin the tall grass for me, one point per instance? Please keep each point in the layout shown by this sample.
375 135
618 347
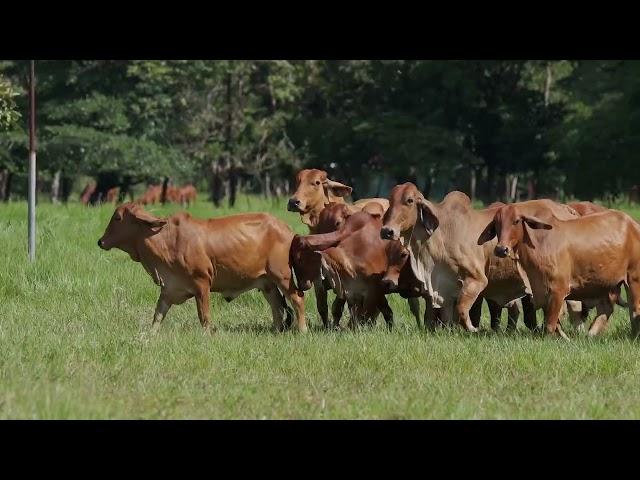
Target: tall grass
75 342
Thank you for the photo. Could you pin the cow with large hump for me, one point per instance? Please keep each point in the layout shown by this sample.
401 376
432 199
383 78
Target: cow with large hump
586 258
445 256
314 191
354 260
189 257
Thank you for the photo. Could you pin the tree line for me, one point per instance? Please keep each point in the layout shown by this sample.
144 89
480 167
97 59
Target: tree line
495 129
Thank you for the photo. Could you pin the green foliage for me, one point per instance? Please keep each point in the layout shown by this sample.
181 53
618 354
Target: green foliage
8 113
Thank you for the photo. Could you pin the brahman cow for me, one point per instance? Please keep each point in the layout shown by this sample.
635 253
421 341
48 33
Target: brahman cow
587 258
189 257
314 191
445 255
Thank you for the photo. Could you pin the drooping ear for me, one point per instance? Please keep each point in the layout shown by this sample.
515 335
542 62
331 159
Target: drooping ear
427 217
536 224
336 189
374 209
488 233
147 219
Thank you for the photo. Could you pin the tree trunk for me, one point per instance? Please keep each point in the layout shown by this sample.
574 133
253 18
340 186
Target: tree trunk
267 185
55 187
165 186
5 184
472 186
531 190
547 85
216 184
233 185
65 188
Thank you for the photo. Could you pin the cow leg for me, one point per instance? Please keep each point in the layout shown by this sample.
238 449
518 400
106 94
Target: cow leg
414 306
296 300
202 303
277 304
321 301
633 299
446 314
495 312
529 313
552 315
336 311
431 314
575 310
604 309
469 293
476 312
513 312
162 307
387 313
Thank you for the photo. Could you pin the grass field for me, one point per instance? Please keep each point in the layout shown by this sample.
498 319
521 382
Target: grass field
75 342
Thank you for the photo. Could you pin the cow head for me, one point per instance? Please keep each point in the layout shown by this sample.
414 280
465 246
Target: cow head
304 261
332 217
407 207
314 190
512 230
397 256
128 223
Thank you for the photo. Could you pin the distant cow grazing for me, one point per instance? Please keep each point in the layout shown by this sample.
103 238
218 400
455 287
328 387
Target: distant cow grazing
188 257
85 195
585 258
151 196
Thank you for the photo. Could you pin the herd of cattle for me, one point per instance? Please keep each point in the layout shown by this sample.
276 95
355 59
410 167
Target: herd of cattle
185 195
537 254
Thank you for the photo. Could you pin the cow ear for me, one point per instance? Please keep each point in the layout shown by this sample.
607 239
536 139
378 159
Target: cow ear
147 219
337 189
427 217
536 224
374 209
488 233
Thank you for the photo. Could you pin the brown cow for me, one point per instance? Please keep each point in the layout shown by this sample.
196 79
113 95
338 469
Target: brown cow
354 260
336 224
113 194
188 195
586 258
85 196
445 255
314 191
189 257
152 196
586 208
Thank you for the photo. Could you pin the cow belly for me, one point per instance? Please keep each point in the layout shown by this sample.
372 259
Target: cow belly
231 287
444 285
504 291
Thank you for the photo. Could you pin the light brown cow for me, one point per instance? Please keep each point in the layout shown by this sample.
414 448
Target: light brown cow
112 195
587 208
445 255
188 195
189 257
314 191
586 258
86 193
151 196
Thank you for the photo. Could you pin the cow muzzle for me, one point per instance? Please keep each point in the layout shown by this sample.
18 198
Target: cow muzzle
294 205
389 284
102 245
387 233
501 251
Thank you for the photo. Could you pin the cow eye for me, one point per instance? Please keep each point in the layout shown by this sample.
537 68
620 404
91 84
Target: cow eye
405 254
409 201
515 222
317 182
